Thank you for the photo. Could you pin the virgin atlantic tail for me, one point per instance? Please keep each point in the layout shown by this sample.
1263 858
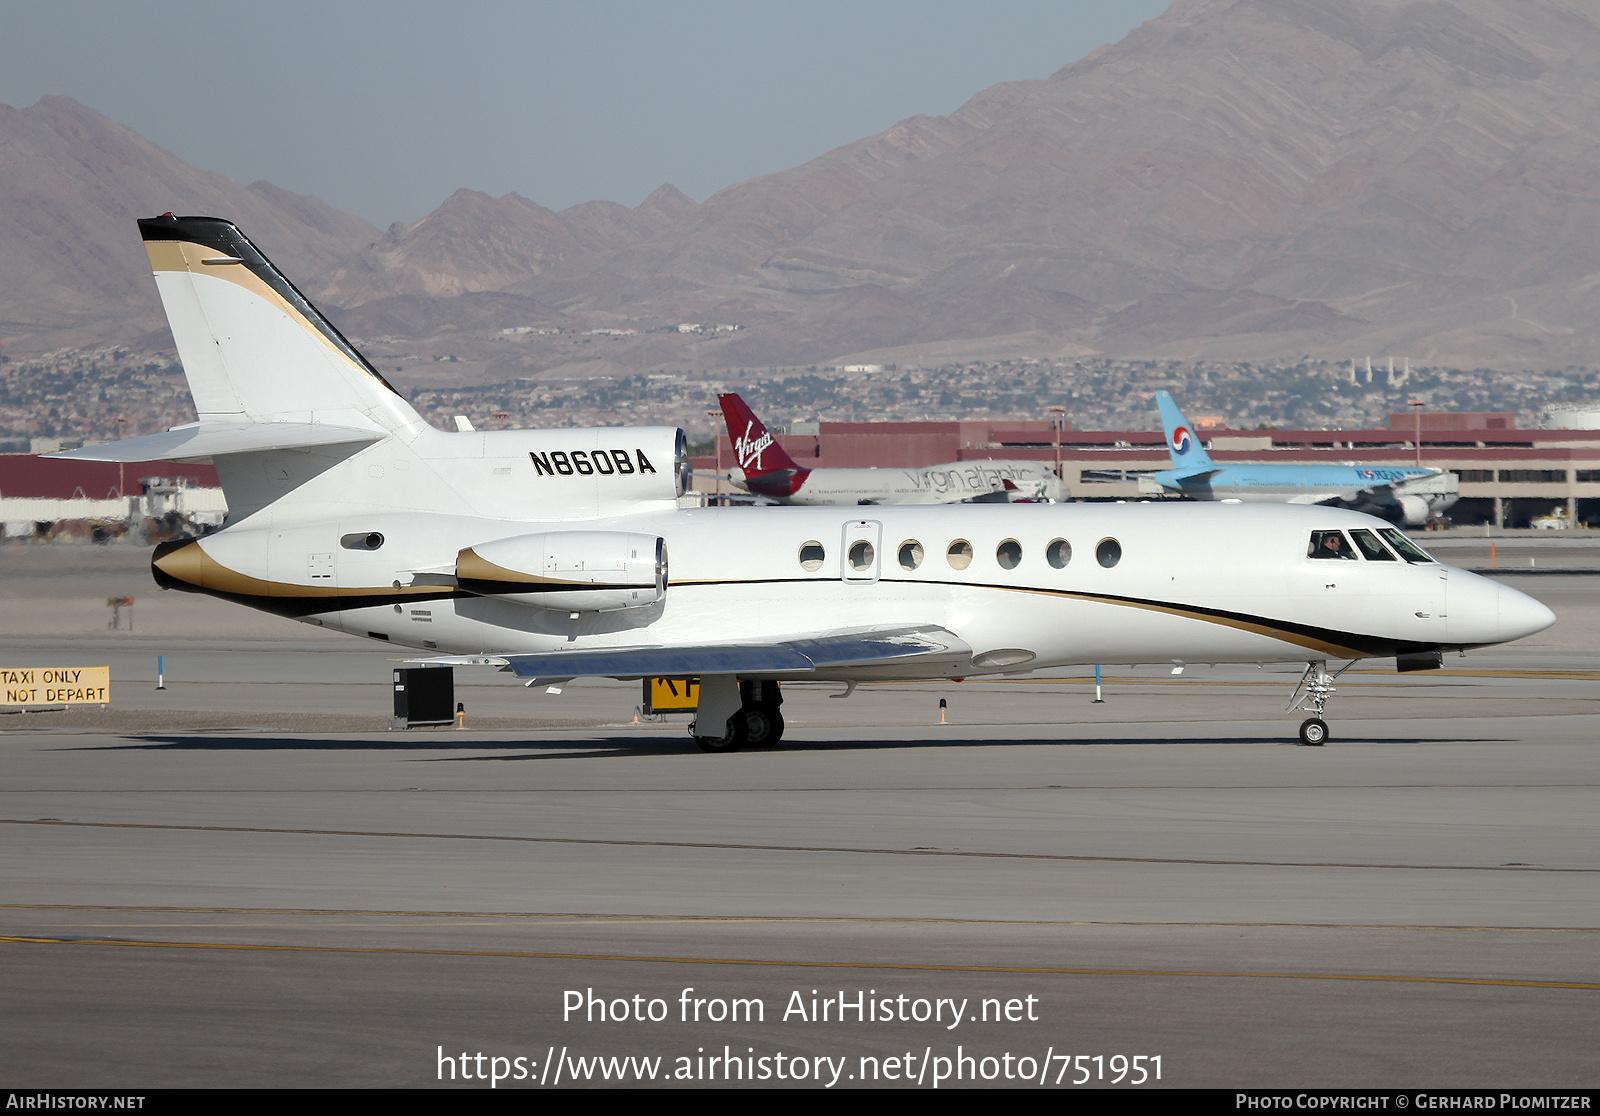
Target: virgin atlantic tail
763 467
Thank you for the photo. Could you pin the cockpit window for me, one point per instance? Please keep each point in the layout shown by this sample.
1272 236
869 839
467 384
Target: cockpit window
1329 544
1371 548
1409 550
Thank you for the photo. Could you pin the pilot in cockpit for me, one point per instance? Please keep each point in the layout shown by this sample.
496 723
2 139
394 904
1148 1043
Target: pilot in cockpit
1329 544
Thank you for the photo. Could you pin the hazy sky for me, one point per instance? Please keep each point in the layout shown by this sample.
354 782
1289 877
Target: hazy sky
383 109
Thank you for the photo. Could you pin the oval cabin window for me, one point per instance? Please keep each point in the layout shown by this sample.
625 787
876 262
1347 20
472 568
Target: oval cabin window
910 554
812 556
1108 553
1008 554
1058 553
861 556
959 554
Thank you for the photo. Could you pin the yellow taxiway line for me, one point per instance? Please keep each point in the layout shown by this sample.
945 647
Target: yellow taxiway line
763 963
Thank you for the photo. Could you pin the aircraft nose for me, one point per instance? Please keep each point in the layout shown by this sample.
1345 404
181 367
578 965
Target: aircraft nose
1518 614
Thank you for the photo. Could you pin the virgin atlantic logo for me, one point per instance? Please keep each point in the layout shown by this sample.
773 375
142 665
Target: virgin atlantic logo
748 448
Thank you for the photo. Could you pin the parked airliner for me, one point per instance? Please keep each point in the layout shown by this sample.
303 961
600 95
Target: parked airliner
561 553
1405 494
766 470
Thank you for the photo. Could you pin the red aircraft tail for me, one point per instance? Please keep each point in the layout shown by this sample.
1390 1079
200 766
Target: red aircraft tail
768 470
754 449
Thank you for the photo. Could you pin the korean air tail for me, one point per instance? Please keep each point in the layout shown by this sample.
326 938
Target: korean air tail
757 451
1183 446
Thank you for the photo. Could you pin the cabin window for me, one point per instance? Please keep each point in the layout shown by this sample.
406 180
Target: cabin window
1008 554
1058 553
361 540
1108 553
910 554
812 556
1371 549
1408 550
1329 544
959 555
861 556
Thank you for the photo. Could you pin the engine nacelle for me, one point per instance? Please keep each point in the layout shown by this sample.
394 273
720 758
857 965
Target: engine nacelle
574 571
1414 510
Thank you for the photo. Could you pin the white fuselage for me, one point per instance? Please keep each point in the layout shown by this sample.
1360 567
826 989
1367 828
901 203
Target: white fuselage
1193 583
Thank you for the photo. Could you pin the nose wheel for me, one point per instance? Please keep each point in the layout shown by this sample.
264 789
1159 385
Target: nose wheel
1313 732
1312 694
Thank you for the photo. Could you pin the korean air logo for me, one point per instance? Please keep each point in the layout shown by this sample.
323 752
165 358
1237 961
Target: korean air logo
1181 440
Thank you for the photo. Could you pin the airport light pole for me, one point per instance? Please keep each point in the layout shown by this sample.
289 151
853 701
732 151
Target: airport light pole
122 483
716 445
1416 405
1056 415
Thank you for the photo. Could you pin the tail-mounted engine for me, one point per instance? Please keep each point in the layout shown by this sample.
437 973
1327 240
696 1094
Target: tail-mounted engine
575 571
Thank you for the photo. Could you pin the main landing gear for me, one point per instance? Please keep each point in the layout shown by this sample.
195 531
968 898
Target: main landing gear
755 723
1312 694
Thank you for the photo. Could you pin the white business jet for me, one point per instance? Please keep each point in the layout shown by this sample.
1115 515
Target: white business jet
545 552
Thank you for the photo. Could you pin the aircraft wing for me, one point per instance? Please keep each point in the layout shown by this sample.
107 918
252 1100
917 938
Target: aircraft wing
794 657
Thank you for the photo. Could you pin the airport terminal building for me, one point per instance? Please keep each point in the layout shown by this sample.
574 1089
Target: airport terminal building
1508 476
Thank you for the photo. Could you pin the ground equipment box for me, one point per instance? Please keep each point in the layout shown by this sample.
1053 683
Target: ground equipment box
424 696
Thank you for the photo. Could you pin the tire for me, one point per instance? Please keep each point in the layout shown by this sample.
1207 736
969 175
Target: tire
1313 732
763 725
732 741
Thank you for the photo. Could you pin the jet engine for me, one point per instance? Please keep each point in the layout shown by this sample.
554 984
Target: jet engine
1412 510
575 571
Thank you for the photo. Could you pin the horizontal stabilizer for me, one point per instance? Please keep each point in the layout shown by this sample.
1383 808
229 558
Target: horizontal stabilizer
187 443
792 657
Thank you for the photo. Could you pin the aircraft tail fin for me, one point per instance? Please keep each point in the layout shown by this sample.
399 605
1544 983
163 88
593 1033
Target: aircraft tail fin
254 349
1183 445
757 451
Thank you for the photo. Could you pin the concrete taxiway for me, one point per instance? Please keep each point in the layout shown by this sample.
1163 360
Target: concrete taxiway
245 879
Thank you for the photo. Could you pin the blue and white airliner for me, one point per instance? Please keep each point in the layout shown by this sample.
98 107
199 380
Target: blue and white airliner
1403 494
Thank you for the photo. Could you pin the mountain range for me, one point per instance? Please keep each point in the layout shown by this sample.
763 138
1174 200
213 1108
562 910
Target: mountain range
1236 179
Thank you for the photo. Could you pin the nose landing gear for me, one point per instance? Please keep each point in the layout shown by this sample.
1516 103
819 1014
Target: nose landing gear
1312 694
